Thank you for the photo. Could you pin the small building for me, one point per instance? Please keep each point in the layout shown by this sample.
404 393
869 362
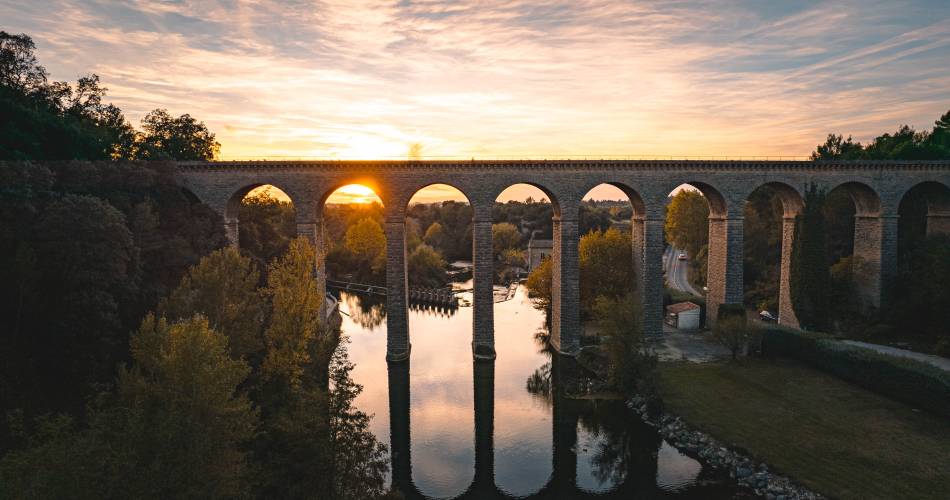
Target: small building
683 316
538 250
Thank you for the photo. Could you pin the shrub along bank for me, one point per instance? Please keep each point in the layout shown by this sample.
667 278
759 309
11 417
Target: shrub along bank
913 382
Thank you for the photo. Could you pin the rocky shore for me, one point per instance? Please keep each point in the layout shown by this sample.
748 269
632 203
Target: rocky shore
748 474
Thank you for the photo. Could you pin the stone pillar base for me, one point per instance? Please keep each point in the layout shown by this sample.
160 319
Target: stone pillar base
483 352
395 357
570 352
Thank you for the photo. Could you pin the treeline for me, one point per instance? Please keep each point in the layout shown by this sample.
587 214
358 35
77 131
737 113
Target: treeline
904 144
50 120
86 249
233 390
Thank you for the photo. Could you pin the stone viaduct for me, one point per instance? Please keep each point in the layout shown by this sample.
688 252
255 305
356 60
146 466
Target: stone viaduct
877 189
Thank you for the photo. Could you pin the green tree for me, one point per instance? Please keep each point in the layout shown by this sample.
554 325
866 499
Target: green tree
293 336
183 138
223 288
426 267
836 147
267 226
734 332
631 368
810 282
504 236
175 428
687 221
921 295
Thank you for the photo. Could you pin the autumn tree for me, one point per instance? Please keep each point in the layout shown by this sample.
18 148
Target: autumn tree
539 285
292 338
367 242
435 236
606 266
687 221
222 288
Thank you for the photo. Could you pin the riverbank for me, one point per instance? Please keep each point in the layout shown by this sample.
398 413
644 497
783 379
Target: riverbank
833 437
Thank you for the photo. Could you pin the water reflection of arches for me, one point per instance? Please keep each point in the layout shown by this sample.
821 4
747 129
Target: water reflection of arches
568 415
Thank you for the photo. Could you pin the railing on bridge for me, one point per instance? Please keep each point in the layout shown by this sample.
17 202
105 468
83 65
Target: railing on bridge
436 296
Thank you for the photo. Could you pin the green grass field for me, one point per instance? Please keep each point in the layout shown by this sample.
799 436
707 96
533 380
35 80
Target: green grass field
836 438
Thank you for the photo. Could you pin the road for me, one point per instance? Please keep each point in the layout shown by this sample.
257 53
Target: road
677 272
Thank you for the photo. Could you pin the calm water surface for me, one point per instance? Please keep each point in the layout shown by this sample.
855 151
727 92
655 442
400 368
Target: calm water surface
461 429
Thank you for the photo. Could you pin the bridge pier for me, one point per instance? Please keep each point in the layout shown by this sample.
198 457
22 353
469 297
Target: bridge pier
786 311
724 264
483 300
648 244
399 436
938 223
875 252
397 287
484 382
232 231
565 289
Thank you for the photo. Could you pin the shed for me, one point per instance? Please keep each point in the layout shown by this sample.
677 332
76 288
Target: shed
683 315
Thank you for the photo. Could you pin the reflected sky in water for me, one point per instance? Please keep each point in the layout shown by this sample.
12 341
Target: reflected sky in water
602 452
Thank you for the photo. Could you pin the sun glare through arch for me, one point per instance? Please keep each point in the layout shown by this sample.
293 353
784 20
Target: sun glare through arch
353 193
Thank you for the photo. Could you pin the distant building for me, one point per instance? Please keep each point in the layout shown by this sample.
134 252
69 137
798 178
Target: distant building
537 250
683 316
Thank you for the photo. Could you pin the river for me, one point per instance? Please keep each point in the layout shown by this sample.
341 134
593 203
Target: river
474 430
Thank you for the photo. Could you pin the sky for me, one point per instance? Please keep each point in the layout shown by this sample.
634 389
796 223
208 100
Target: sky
462 79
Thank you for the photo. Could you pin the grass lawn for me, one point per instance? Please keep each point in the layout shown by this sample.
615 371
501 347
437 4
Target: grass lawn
836 438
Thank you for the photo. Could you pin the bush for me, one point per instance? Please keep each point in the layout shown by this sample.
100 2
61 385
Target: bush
731 310
913 382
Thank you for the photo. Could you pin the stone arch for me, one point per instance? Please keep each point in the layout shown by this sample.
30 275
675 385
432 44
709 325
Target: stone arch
719 204
867 201
792 199
870 240
377 186
933 199
414 189
636 231
551 196
232 206
724 247
792 203
636 200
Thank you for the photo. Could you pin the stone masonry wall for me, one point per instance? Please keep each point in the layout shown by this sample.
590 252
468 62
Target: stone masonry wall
882 186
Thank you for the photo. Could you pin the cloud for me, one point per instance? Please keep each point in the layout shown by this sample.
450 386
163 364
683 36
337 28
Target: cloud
344 79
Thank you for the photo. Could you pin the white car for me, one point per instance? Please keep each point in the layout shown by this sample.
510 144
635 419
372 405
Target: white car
682 256
767 317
